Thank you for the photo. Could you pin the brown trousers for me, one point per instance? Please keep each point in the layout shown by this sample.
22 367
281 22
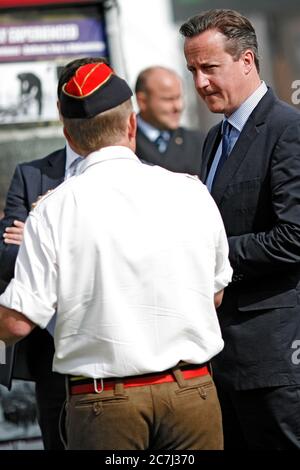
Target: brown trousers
180 415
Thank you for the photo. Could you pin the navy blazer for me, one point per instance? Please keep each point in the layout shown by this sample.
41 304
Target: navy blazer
183 154
34 354
258 195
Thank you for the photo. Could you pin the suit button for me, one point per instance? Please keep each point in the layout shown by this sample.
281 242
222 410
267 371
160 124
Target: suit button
179 140
237 277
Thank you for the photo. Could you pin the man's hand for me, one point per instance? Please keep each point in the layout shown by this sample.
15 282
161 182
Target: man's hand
13 325
218 298
14 234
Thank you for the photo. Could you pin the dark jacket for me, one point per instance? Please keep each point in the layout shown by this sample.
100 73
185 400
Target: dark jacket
258 194
33 355
183 154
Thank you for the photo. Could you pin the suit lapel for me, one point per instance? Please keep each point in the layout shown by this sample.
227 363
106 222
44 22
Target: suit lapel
232 164
53 172
209 150
147 150
242 147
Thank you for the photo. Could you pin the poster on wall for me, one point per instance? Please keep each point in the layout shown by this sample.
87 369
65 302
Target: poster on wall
50 39
31 56
28 92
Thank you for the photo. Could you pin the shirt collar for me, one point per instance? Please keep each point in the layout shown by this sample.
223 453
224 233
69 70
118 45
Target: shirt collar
239 118
151 132
114 152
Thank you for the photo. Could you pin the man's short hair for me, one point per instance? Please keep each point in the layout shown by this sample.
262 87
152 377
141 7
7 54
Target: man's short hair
236 28
100 131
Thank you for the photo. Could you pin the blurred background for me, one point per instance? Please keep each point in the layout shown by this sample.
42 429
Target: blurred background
37 37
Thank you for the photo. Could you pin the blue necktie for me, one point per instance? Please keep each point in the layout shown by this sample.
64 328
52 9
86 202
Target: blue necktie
226 146
162 141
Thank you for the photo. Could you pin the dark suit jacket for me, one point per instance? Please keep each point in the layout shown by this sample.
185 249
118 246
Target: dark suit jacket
183 154
33 355
258 195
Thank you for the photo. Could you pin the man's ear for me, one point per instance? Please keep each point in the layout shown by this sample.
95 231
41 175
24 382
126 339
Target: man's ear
131 131
248 60
72 144
58 108
67 135
70 140
132 125
141 99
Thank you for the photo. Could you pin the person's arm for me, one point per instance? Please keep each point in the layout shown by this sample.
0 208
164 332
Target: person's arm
222 268
278 249
218 298
30 297
13 326
16 209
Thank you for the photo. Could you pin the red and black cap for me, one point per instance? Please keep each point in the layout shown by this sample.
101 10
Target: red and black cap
93 89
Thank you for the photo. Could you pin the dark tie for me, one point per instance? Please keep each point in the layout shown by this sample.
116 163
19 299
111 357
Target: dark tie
226 144
161 141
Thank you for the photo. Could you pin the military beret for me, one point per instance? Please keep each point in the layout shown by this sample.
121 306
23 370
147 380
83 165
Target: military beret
93 89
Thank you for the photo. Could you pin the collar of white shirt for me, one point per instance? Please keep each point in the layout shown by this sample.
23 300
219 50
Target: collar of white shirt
111 153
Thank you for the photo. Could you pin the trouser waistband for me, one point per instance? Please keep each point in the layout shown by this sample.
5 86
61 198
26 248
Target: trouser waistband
82 385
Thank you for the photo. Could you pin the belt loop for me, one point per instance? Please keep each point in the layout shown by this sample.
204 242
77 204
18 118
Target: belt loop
178 376
119 387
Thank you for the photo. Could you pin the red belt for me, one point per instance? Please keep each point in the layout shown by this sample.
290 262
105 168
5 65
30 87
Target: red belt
135 381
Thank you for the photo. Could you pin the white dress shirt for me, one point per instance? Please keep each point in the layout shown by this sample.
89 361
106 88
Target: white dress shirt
71 158
130 256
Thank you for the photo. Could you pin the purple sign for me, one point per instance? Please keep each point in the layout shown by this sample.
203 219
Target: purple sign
45 40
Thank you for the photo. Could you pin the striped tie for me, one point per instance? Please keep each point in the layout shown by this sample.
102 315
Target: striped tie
74 166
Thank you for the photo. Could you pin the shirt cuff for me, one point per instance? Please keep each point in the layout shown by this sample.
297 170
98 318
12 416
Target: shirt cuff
223 279
29 304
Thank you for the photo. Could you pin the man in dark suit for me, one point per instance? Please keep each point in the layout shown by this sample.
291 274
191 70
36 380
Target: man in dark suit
31 359
160 139
253 173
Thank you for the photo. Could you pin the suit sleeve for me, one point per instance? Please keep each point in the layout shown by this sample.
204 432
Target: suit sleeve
16 208
277 249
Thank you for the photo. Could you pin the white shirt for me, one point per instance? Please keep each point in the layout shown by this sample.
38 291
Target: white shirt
71 157
130 256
